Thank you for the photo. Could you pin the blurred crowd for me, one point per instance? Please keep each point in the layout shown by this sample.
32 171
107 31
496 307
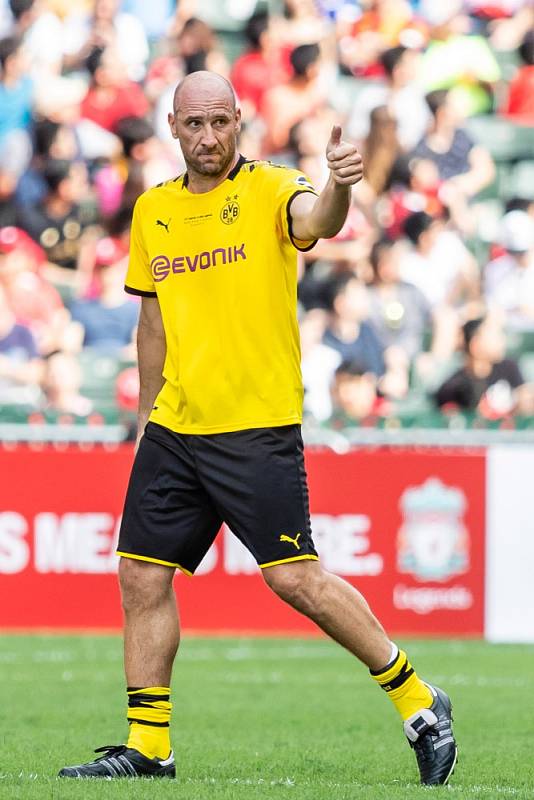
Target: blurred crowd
424 302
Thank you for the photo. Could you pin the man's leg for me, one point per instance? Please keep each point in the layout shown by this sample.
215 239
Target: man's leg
341 612
151 624
335 606
169 522
151 638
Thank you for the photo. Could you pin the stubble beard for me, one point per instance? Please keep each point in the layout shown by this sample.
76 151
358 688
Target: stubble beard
213 170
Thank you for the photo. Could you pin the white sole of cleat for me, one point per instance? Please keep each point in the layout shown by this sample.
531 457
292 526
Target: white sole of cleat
447 779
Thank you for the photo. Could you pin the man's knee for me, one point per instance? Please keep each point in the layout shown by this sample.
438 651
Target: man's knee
143 584
299 583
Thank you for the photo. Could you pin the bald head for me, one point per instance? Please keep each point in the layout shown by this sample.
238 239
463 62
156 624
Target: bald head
204 85
207 122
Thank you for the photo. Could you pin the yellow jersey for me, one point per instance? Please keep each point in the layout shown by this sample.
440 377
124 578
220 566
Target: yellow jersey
223 266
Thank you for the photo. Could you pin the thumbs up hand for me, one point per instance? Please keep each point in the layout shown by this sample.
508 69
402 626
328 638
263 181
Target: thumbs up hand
344 161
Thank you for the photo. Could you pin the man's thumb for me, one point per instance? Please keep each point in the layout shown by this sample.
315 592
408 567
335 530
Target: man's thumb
335 137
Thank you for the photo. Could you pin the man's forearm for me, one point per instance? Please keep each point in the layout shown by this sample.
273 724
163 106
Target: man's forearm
329 213
151 349
326 216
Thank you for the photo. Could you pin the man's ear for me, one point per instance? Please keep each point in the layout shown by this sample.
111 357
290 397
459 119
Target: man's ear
172 125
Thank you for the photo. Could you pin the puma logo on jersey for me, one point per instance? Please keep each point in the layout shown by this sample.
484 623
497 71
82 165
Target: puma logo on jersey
285 538
164 224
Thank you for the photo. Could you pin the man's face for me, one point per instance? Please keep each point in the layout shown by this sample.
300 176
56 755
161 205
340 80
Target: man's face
451 112
74 186
207 127
406 70
16 64
105 10
489 342
355 394
352 304
389 266
111 71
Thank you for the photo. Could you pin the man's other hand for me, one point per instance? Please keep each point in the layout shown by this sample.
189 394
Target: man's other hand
344 161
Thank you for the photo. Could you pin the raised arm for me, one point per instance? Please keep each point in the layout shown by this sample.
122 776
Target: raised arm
322 217
151 349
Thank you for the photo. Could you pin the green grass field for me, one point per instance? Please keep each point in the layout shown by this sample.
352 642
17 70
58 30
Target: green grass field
263 718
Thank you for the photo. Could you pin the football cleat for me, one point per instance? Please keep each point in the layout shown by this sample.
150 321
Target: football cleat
429 732
120 761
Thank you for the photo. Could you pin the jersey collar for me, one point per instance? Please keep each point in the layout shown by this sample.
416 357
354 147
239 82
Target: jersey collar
230 177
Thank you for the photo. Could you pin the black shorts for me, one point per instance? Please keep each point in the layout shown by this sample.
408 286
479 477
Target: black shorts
183 487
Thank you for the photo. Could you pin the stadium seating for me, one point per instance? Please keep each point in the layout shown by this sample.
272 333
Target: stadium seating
504 140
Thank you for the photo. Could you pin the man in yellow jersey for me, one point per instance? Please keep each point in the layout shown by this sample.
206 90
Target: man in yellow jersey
213 257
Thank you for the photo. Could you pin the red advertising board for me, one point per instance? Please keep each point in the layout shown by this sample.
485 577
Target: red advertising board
406 527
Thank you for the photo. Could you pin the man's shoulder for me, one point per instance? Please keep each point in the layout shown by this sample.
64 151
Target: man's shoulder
507 368
410 292
32 218
255 167
277 175
263 167
368 332
458 379
160 191
462 140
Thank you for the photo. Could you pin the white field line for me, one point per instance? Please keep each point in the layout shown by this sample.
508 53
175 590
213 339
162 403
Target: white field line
289 782
248 654
59 656
259 678
236 652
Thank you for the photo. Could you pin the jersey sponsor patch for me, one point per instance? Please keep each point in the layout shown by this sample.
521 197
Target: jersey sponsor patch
163 265
303 181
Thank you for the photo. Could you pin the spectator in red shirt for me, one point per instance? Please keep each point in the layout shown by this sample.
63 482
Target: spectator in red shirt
520 101
20 365
111 95
33 300
260 67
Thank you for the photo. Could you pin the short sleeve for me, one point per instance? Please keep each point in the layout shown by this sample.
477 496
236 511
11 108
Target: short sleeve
465 141
512 373
139 280
286 184
455 389
28 342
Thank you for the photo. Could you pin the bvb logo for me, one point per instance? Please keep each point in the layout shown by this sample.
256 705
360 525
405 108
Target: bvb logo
230 210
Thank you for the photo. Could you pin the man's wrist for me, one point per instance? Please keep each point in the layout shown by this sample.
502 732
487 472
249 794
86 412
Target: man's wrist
341 188
142 420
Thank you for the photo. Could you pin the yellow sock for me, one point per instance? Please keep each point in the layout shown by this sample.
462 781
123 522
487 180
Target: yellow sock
149 714
404 688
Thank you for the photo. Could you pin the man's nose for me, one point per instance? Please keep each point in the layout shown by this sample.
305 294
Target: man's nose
208 136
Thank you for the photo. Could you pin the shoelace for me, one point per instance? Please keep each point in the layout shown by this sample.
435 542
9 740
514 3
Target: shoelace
110 750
